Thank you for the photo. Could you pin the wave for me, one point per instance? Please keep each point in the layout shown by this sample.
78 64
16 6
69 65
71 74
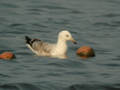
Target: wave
94 87
18 86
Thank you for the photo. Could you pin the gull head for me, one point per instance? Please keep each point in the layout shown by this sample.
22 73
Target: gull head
66 35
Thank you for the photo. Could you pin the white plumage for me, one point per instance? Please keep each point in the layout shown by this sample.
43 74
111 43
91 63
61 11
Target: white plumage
57 50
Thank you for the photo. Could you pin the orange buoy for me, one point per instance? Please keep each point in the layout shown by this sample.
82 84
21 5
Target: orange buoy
85 52
7 55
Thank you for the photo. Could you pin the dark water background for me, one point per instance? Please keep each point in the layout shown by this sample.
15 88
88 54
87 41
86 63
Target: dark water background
92 22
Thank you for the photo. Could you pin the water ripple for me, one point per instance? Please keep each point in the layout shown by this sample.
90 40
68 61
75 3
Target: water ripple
8 5
93 87
16 25
111 15
19 86
3 75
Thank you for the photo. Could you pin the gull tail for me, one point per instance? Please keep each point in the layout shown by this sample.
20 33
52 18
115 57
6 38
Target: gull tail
28 40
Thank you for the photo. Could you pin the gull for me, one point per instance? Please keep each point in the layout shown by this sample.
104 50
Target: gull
55 50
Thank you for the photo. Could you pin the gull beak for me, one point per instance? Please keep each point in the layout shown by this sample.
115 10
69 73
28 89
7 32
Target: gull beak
74 41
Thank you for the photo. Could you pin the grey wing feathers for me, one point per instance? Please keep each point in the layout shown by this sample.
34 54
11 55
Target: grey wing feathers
41 46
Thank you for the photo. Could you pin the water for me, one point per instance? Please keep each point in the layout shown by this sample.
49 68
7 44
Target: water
92 22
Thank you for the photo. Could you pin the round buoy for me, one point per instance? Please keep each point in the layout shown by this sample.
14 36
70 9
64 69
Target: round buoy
85 52
7 55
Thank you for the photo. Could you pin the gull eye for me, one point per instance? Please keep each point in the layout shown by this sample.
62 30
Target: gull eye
67 35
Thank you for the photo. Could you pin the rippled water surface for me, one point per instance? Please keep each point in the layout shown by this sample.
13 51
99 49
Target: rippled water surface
92 22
